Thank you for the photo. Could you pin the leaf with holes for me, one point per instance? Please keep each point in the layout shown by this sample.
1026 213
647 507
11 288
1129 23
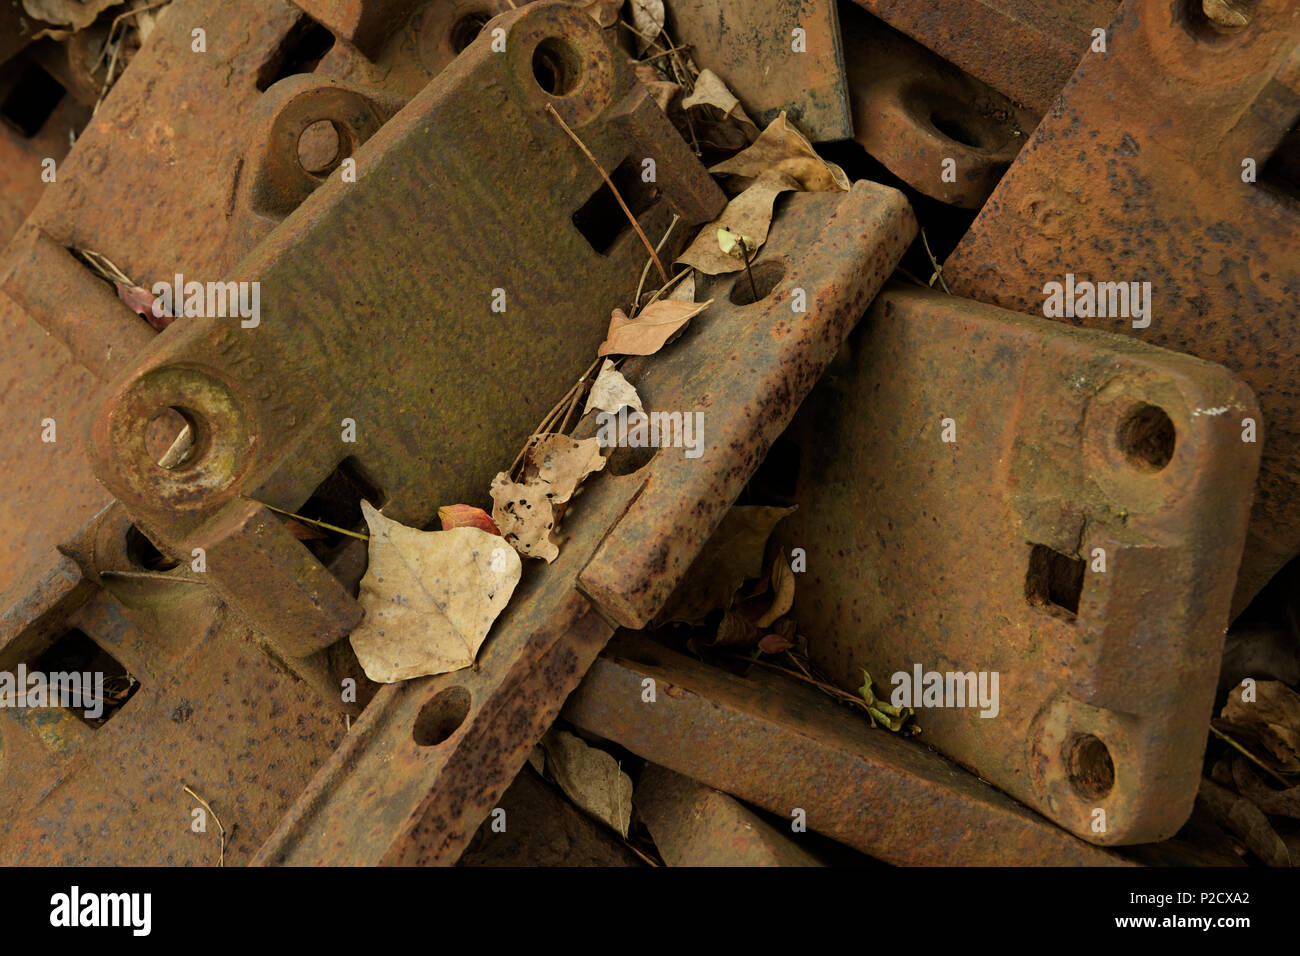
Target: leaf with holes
651 330
561 464
429 597
591 778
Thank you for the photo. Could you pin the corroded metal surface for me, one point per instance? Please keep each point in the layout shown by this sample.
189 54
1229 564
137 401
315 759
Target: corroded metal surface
430 757
775 55
989 494
1026 49
942 132
695 825
1138 176
481 295
783 746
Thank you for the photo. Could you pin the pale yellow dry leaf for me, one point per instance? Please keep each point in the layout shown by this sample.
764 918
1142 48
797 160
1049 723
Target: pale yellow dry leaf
430 598
683 291
561 463
604 12
711 91
651 329
591 778
749 214
648 18
72 15
783 148
611 391
782 591
525 516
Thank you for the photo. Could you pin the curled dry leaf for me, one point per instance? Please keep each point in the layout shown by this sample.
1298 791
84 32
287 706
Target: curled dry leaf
611 391
661 91
783 593
591 778
604 12
648 18
881 712
72 15
749 215
430 598
683 291
656 324
1272 719
782 148
735 630
732 554
1284 803
711 91
1244 819
466 516
143 303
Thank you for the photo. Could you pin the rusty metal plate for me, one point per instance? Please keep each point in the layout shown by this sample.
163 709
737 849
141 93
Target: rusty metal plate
783 745
774 55
1026 49
695 825
1138 176
429 757
409 260
942 132
1057 513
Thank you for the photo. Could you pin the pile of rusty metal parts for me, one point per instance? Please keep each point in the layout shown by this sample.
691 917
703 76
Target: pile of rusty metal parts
1022 387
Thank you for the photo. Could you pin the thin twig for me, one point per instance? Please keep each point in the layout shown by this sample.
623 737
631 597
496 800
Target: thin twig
636 301
938 269
1249 756
320 524
612 188
150 576
221 861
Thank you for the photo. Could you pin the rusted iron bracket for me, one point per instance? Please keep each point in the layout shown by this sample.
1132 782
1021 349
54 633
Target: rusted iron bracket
942 132
774 55
1033 532
785 746
429 757
483 294
1171 161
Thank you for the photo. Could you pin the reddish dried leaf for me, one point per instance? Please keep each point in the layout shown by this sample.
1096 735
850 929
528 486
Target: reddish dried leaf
141 302
466 516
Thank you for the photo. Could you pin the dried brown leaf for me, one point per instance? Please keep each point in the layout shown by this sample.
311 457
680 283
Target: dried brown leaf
611 391
711 91
525 516
1272 719
591 778
732 554
71 15
466 516
561 463
604 12
782 148
783 593
653 327
735 630
648 18
749 215
1244 819
430 598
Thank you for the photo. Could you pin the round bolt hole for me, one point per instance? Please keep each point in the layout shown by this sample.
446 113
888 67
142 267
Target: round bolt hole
169 439
1146 436
1092 772
556 66
143 554
953 125
466 30
766 275
625 461
441 716
319 146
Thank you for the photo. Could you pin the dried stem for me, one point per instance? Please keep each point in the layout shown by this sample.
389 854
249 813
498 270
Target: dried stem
221 861
612 188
